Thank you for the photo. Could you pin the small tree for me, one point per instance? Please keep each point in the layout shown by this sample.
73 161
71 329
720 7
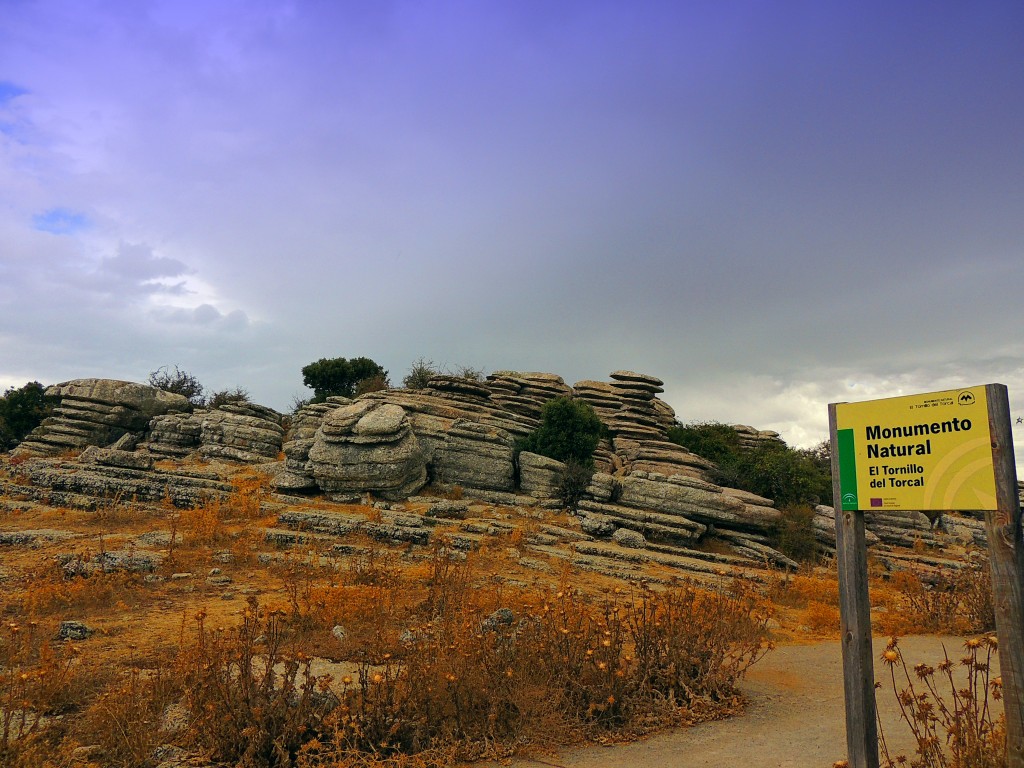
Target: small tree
337 376
21 411
179 382
569 432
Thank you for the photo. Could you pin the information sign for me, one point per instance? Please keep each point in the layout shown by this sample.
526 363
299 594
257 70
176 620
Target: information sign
922 452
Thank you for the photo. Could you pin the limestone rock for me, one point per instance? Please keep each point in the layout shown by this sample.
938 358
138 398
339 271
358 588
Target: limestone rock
539 476
695 500
97 412
630 539
475 455
359 450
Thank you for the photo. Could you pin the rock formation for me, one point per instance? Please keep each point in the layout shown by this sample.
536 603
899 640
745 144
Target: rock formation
368 446
97 412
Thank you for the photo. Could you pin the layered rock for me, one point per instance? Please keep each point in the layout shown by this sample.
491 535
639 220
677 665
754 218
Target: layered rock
754 438
475 456
97 412
698 501
296 476
368 446
243 432
525 393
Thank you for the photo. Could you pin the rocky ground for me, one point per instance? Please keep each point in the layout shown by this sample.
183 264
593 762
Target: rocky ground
205 510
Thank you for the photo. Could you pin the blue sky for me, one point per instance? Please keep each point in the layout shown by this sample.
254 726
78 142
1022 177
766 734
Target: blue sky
771 206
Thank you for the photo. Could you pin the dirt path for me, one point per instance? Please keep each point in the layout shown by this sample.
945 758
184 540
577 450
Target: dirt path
795 717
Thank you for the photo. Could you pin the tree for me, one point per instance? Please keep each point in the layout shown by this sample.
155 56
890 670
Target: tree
328 377
21 411
179 382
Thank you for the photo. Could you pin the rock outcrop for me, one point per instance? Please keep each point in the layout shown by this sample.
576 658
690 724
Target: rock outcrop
97 412
243 432
368 446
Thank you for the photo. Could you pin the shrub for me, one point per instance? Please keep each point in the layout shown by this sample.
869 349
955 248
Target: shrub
573 484
420 374
227 397
773 470
569 431
328 377
21 411
179 382
794 533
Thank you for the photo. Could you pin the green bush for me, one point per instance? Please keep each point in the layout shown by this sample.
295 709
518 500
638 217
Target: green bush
772 469
328 377
420 374
569 431
21 411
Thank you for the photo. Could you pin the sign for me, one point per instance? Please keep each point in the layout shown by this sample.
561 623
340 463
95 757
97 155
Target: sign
930 451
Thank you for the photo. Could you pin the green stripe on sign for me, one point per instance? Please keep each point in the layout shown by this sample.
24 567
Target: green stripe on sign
847 469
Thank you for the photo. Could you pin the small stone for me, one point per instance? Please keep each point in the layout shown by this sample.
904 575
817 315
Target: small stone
626 537
73 630
339 633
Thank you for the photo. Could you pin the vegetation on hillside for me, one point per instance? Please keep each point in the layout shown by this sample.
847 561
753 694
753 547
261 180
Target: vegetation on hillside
795 479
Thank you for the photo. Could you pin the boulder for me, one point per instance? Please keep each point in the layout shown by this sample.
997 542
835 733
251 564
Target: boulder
368 446
539 476
475 455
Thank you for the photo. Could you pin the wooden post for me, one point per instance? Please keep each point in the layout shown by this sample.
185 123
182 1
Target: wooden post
1006 560
855 624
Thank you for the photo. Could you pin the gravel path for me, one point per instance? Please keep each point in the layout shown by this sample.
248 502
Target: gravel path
795 717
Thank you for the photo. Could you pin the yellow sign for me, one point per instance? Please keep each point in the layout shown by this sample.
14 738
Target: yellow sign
930 451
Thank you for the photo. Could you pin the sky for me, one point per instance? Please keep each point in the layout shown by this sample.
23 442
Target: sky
770 206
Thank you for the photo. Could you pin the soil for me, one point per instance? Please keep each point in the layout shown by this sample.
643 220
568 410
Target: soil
794 717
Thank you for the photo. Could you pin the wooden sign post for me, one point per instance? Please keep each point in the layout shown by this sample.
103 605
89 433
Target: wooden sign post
949 450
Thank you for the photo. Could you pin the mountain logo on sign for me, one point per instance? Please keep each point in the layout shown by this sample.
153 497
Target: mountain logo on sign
965 398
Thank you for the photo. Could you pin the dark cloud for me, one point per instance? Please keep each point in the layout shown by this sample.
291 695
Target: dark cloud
766 207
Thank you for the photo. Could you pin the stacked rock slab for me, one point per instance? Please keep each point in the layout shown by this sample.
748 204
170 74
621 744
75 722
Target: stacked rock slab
477 456
243 432
754 438
637 418
368 446
97 412
296 476
526 393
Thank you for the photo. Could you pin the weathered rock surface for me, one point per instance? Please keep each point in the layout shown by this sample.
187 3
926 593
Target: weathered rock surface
539 476
694 499
243 432
82 483
97 412
475 456
368 446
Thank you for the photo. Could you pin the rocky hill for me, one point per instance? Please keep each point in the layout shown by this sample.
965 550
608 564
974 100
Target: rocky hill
650 505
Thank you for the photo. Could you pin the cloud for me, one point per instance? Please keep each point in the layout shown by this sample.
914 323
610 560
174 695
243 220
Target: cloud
204 316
